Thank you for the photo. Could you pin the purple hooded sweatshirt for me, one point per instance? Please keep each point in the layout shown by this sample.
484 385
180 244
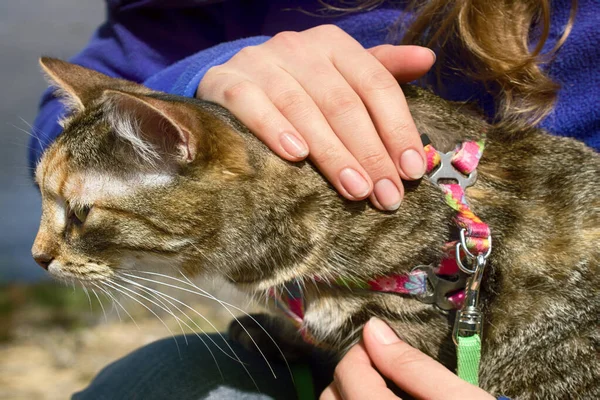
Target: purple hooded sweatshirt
168 45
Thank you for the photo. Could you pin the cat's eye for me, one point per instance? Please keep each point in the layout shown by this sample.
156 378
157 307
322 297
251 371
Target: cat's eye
78 214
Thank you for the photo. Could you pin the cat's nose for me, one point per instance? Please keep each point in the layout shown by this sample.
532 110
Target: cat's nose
43 260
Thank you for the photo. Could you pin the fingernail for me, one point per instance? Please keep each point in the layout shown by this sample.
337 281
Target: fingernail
382 332
293 146
433 53
354 183
387 194
412 164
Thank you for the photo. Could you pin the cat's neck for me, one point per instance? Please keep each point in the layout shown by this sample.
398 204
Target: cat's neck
284 221
299 227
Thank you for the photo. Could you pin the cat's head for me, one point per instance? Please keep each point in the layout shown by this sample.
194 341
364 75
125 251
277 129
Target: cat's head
123 184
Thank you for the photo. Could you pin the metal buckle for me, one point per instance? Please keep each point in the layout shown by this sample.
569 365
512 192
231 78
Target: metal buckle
441 288
469 319
447 171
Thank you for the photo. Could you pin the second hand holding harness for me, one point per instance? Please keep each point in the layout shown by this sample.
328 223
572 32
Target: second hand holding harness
455 285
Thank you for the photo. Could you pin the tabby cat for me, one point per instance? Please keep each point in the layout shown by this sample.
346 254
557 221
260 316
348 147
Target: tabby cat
145 180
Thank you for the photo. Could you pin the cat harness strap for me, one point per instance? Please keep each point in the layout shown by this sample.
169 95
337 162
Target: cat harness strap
455 282
474 245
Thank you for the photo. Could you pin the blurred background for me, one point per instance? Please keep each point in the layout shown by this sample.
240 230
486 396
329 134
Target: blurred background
53 338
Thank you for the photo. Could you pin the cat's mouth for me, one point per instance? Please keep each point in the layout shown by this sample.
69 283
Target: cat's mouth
84 273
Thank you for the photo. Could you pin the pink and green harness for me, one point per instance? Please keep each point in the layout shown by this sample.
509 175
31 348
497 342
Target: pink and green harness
455 286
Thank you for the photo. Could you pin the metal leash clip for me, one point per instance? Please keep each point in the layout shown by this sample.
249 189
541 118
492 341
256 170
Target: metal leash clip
469 319
439 288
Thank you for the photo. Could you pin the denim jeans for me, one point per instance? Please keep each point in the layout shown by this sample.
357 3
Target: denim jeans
160 371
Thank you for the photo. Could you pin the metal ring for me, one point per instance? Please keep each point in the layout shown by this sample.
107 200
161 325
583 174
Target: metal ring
463 241
459 261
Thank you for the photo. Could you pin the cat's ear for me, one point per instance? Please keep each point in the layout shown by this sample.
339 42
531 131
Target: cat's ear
76 85
157 129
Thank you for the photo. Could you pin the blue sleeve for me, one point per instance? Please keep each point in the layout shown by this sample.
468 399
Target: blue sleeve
183 78
166 49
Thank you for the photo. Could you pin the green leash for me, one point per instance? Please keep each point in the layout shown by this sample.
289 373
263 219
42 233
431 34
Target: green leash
469 354
303 381
468 326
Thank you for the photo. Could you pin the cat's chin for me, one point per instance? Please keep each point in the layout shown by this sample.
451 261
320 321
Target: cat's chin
258 286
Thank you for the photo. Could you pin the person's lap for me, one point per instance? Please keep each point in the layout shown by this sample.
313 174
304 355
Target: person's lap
160 371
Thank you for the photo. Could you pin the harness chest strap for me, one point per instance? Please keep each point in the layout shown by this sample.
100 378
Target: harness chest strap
449 291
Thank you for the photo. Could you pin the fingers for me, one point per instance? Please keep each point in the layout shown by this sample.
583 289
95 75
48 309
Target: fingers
345 112
387 107
355 378
405 63
413 371
279 96
263 117
319 93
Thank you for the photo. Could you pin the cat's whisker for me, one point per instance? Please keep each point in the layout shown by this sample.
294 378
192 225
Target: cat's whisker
168 311
101 305
235 358
112 299
35 133
120 305
88 296
30 134
111 283
225 305
33 129
14 143
288 290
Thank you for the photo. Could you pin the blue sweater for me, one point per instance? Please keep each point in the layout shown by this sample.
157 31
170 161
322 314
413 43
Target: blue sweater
168 45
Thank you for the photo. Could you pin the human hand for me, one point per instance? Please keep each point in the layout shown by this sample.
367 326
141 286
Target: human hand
319 93
357 378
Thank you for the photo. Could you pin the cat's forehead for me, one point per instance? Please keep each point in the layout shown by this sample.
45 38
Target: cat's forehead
57 175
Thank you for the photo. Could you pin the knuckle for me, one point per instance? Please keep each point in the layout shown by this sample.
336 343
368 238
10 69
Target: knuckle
375 162
262 123
331 30
326 154
407 357
288 39
377 79
212 79
381 49
293 104
247 53
237 91
338 102
399 131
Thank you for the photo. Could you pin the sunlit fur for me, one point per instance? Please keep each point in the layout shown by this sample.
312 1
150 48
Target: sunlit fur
218 202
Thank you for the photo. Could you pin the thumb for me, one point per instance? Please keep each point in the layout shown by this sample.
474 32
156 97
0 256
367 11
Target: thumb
414 372
405 63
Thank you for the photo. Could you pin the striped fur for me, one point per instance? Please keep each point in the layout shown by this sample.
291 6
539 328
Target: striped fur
236 210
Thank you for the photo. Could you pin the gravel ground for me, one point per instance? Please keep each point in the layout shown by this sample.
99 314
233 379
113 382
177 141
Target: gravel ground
50 352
